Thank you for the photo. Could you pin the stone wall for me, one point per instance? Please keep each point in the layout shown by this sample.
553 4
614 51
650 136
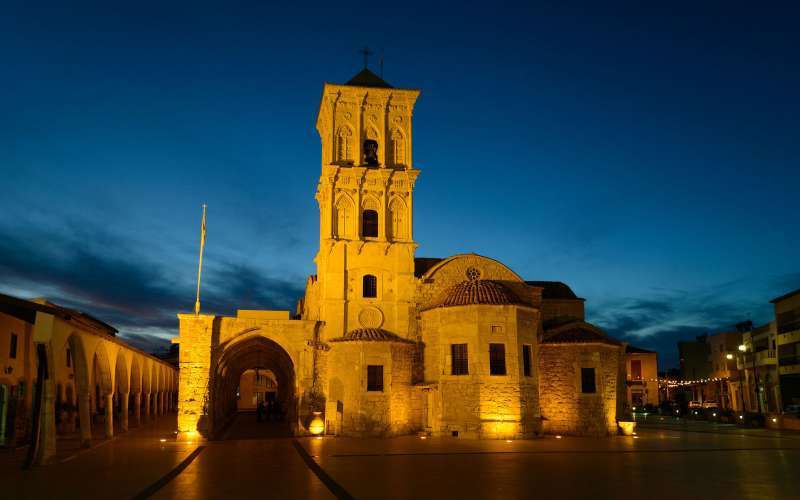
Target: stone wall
372 413
565 409
480 404
195 360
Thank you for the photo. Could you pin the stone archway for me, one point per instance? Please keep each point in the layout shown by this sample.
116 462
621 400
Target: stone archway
249 353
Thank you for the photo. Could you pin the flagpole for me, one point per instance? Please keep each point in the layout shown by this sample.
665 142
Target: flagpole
200 263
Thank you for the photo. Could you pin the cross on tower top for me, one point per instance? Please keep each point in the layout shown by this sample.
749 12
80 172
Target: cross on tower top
366 53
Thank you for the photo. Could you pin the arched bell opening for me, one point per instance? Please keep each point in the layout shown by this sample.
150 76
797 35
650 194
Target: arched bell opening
262 356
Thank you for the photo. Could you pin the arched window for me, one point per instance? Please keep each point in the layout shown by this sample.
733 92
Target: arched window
398 227
369 289
398 148
344 145
343 219
369 224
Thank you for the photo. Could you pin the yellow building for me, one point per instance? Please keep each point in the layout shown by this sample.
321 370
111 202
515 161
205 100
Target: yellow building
724 387
385 343
80 376
642 377
256 386
787 341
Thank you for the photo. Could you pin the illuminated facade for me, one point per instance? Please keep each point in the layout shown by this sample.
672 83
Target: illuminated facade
83 375
385 343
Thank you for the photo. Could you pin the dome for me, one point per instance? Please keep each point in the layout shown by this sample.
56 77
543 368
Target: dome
370 335
476 291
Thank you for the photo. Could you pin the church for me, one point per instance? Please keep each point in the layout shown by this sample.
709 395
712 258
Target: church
386 343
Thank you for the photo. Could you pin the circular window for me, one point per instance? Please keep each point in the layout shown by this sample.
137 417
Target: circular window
473 274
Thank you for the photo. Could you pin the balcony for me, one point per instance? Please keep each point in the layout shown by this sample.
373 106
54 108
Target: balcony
766 357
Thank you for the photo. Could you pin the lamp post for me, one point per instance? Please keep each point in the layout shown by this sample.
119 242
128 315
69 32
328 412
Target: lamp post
728 357
745 327
743 348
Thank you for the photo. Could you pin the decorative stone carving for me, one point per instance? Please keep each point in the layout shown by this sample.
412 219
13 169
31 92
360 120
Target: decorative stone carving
370 317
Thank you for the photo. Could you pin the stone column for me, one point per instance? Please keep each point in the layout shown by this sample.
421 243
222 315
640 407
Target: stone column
147 407
109 415
85 419
137 408
48 423
123 411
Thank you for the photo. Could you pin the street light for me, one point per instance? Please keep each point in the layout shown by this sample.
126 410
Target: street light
745 327
729 356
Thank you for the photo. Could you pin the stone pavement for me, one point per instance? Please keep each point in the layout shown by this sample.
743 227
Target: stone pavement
117 468
654 464
252 461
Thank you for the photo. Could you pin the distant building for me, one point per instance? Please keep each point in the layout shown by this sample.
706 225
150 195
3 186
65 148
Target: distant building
256 386
642 377
694 358
723 355
695 367
787 329
760 386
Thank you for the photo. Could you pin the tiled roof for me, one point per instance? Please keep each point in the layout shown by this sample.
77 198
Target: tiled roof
25 310
554 290
370 335
637 350
577 332
423 264
471 292
366 78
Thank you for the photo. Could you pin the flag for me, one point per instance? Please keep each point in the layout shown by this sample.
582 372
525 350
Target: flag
200 262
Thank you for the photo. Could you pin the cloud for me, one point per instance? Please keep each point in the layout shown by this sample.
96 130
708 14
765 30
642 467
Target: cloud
665 316
103 275
147 343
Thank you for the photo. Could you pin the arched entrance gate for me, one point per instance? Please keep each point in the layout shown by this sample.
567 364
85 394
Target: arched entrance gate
214 353
253 352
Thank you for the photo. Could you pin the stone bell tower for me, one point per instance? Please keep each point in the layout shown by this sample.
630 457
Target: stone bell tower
365 263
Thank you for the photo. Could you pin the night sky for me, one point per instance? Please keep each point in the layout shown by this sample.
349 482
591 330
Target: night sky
648 158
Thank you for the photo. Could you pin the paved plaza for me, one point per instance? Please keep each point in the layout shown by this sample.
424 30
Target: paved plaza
257 460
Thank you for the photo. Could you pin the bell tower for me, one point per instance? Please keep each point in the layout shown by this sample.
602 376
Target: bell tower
365 263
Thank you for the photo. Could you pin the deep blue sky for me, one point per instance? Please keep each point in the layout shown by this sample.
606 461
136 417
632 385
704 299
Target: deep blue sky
648 158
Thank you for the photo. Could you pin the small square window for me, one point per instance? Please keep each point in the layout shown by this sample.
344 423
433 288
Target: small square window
497 329
375 378
459 360
497 359
588 384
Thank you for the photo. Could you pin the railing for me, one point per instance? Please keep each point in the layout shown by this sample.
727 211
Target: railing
765 356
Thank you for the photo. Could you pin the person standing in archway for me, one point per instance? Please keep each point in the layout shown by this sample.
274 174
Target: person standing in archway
259 410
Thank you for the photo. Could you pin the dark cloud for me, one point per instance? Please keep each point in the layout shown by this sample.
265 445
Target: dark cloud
147 343
665 317
103 275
